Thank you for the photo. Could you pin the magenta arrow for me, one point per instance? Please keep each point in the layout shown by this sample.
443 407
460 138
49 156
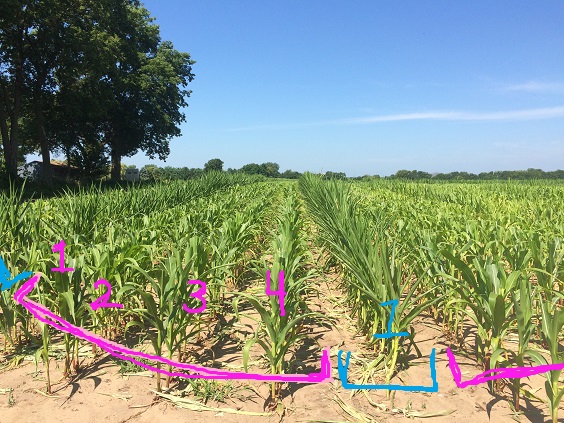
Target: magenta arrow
499 373
123 353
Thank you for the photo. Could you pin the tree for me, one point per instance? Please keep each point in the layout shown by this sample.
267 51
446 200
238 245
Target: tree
213 164
88 76
150 172
15 21
290 174
91 161
335 175
141 89
413 175
251 169
270 169
148 107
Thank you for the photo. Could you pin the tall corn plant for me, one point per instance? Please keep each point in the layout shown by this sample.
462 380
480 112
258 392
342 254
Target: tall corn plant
110 261
229 243
522 299
377 274
14 242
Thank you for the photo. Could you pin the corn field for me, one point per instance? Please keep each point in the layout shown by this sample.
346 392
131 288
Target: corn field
483 260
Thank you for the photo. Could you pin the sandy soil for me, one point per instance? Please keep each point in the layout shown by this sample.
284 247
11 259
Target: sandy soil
101 393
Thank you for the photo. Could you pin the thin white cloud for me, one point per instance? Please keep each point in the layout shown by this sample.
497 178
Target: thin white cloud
537 87
510 115
527 114
278 127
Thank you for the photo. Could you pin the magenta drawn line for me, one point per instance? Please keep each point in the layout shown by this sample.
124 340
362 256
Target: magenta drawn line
500 373
121 352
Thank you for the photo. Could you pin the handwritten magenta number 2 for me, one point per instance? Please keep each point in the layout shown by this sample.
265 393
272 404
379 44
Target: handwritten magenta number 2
102 301
199 295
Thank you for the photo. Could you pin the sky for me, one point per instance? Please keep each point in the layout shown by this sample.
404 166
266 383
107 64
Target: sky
369 87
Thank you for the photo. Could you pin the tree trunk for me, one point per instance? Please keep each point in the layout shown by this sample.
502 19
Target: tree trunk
47 173
10 141
10 137
4 131
11 147
4 119
116 166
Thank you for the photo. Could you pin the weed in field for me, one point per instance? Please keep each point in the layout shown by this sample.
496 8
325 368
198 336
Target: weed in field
210 390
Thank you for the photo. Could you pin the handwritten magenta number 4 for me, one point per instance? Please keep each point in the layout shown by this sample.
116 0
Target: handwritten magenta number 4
280 293
199 295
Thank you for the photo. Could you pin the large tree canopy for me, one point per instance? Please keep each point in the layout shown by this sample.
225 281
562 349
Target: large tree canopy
213 164
88 79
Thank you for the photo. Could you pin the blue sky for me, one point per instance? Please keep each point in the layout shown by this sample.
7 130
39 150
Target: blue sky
370 87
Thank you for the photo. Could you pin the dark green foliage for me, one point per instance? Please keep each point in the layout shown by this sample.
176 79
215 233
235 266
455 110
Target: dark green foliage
334 175
214 164
414 174
290 174
89 80
529 174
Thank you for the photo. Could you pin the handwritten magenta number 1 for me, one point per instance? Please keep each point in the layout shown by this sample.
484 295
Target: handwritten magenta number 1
199 295
60 247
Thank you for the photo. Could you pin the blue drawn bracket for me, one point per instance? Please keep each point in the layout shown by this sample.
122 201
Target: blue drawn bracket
344 368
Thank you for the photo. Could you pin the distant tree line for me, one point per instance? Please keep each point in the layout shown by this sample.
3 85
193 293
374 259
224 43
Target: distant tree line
269 170
87 79
495 175
272 170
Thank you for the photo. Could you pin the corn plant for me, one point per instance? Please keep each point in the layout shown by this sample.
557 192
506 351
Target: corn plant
284 312
376 273
487 294
68 298
110 261
522 299
43 351
165 300
229 242
552 323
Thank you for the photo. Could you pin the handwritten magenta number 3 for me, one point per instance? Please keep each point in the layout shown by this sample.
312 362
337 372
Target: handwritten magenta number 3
199 295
